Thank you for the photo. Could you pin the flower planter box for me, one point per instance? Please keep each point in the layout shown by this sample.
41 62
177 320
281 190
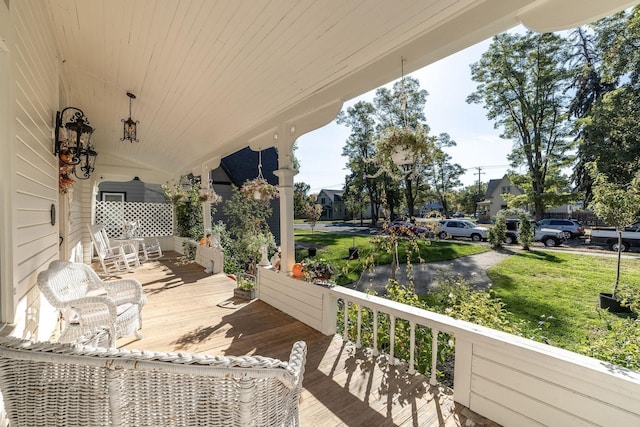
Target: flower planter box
241 293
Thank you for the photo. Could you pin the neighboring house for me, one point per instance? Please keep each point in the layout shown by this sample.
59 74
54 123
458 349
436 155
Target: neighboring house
333 207
431 206
131 191
565 211
234 169
239 167
494 200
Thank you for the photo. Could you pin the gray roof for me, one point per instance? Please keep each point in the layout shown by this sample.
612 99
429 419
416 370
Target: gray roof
491 186
243 165
334 195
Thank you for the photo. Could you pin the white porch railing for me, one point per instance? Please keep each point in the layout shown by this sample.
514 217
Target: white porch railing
508 379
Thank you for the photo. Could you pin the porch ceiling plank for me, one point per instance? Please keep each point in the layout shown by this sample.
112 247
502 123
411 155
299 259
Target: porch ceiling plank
189 310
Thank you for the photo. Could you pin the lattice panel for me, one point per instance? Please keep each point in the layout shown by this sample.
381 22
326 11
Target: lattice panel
154 219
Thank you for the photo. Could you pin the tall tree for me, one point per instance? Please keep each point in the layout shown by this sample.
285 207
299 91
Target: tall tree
444 176
466 198
586 62
522 82
355 196
611 128
300 198
360 150
402 108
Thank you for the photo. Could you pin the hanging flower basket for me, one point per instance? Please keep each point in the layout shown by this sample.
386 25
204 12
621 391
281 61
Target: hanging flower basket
401 149
209 195
259 189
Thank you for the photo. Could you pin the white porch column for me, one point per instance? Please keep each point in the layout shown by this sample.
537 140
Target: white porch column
206 206
283 138
287 244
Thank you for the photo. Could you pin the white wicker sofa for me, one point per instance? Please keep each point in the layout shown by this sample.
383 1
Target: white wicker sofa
53 384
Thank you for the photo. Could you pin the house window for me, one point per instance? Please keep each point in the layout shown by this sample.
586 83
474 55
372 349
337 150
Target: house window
322 200
113 197
506 189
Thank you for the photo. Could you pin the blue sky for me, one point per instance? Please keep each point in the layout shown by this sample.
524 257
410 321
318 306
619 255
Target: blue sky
448 83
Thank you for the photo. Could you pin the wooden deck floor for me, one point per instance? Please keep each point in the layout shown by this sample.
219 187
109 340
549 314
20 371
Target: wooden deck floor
189 310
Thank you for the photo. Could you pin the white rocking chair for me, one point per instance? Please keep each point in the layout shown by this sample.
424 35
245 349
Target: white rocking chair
149 248
113 259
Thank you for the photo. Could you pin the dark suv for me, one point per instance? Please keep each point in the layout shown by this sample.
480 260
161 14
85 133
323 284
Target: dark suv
570 227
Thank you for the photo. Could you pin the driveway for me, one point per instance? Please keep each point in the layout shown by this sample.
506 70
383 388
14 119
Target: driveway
340 227
472 267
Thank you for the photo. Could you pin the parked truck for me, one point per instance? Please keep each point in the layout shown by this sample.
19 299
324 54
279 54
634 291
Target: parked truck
609 237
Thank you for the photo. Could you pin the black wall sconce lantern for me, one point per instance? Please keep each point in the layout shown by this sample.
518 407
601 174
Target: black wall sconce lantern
73 141
130 127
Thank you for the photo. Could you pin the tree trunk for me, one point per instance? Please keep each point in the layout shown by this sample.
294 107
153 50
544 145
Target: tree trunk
615 287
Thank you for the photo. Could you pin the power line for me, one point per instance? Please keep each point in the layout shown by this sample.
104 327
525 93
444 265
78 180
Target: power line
488 167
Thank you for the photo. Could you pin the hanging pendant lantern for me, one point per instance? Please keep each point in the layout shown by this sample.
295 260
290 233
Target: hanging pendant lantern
130 127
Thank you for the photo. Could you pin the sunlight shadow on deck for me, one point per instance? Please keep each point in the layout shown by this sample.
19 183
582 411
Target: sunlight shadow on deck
189 310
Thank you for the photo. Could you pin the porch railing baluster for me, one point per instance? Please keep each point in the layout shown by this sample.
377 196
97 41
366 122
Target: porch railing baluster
412 348
375 332
392 338
345 332
358 339
434 356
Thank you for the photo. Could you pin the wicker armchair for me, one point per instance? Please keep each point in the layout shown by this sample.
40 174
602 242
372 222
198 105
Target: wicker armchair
87 302
45 384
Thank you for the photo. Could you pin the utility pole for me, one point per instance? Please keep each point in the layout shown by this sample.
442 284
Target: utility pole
480 173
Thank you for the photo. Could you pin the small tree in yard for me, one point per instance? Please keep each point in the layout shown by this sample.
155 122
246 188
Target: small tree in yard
525 231
498 231
615 204
313 211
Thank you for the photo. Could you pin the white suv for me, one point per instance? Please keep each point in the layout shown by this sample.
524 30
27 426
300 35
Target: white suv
461 228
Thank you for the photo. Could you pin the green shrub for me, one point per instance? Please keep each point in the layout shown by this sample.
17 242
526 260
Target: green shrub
498 231
617 342
525 231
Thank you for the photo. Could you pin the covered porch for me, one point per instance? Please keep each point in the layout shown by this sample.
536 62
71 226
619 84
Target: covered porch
189 310
211 78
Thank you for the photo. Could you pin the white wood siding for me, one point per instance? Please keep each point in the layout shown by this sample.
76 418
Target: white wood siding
34 174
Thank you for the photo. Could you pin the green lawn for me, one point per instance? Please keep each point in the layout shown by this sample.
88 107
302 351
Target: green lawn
558 288
334 248
562 285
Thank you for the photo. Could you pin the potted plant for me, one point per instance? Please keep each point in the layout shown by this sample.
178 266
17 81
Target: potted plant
259 189
617 205
246 286
317 269
354 252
